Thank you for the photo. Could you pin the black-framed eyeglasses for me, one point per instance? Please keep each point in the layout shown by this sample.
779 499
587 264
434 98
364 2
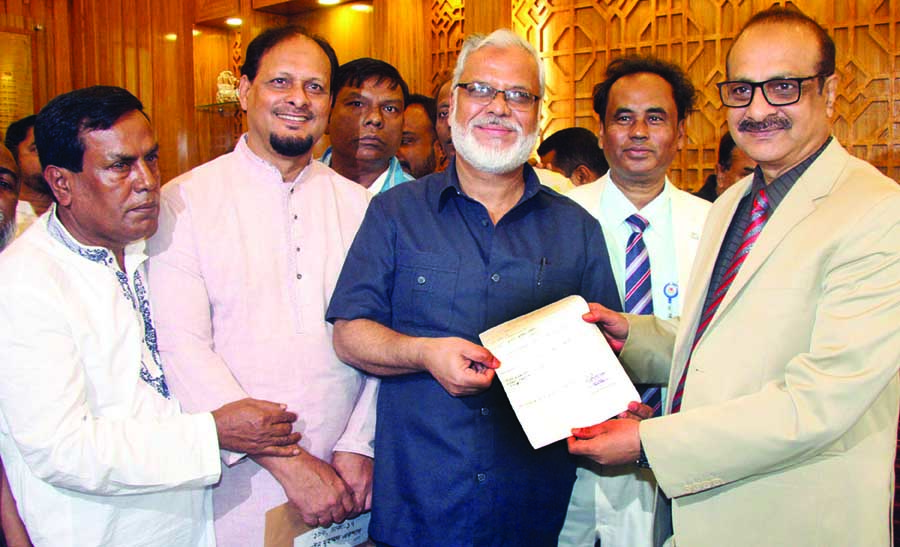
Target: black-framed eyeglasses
777 91
482 93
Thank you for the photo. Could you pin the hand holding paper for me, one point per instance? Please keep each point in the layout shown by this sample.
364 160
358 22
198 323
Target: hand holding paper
613 442
558 371
461 367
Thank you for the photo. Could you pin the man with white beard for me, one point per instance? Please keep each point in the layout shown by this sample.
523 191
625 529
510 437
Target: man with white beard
9 196
438 261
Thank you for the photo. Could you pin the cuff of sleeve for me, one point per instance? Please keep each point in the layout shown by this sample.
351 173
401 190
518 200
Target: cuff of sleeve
230 458
209 438
366 449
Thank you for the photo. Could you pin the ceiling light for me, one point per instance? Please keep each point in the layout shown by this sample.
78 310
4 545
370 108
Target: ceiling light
234 21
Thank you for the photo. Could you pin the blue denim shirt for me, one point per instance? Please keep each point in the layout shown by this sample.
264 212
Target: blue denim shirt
428 261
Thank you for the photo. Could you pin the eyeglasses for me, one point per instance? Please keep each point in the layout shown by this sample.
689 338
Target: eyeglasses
483 94
777 91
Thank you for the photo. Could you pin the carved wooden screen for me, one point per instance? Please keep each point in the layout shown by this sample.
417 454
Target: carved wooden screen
446 38
577 38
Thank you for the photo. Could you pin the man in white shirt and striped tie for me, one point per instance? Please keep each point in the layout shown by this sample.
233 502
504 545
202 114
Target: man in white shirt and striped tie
652 229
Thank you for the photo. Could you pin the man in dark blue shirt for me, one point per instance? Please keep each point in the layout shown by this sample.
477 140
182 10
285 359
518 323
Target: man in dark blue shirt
436 262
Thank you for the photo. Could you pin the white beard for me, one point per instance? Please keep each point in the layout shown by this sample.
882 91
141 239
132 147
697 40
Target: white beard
7 230
492 159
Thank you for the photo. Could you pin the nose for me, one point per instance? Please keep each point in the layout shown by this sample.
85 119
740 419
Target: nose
759 108
373 116
298 96
146 175
498 106
639 129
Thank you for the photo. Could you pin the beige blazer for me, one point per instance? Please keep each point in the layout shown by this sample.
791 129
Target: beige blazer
788 426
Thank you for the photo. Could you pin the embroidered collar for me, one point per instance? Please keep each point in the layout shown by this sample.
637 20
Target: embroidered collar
138 297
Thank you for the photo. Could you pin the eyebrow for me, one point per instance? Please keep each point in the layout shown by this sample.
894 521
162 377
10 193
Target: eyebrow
132 157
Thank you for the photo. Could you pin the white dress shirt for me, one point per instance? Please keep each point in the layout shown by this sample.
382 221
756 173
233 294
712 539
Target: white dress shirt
242 268
95 455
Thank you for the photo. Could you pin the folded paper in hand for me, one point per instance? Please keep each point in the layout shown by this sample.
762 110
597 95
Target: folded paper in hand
558 371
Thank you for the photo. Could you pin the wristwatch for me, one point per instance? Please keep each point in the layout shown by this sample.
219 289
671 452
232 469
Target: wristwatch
642 459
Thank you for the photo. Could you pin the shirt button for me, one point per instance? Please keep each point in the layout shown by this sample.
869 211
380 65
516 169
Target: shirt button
295 217
484 222
298 249
495 278
299 276
485 412
420 280
481 477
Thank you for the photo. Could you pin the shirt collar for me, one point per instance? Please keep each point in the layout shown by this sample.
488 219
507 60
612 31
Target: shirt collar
134 252
779 188
450 186
616 207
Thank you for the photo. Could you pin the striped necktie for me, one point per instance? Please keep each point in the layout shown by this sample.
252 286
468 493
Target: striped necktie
638 296
759 214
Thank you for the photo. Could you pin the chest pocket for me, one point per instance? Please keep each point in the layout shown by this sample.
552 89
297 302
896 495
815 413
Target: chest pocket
425 289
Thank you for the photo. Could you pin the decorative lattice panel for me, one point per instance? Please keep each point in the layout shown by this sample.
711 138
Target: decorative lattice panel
446 37
577 38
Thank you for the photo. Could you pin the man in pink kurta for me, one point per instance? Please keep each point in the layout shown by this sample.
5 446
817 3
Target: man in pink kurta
242 268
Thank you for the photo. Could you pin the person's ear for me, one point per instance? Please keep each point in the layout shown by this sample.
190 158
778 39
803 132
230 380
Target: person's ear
582 175
830 91
60 181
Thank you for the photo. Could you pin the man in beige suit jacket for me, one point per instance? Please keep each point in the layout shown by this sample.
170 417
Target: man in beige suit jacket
786 431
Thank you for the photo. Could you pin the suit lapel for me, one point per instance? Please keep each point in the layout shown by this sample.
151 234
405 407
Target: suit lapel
710 242
686 232
799 203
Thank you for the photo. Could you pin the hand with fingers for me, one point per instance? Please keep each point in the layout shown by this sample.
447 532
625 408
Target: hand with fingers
256 427
461 367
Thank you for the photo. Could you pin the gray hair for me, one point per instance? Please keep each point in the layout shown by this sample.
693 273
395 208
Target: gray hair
501 38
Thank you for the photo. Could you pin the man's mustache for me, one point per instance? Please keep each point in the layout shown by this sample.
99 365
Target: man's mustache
771 122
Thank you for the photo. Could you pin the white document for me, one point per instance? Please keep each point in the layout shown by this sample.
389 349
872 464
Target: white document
558 371
346 534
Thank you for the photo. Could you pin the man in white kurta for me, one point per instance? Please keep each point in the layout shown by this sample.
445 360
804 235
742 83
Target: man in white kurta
96 450
641 132
242 268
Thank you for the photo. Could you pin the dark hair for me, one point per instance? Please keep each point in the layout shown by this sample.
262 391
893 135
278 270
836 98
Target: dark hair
726 151
781 14
575 146
16 133
271 37
62 122
682 89
356 72
429 104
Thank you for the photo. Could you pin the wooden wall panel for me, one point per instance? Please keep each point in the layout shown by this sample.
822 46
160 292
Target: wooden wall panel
214 10
406 46
578 38
351 33
46 21
145 47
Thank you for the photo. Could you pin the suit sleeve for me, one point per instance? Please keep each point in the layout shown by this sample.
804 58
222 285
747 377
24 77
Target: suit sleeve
647 355
852 357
